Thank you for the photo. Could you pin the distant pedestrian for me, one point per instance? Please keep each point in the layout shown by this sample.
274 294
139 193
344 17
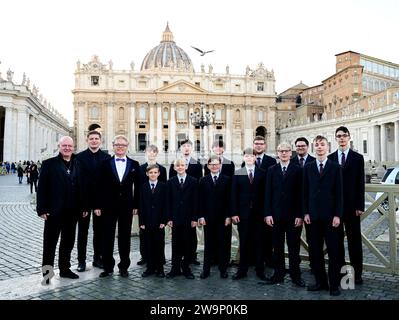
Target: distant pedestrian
34 176
20 172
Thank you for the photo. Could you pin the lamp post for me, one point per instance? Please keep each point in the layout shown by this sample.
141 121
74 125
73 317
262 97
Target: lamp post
202 119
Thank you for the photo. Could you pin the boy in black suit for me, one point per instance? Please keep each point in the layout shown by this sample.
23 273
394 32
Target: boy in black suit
323 208
352 164
151 153
227 167
182 218
214 193
247 191
118 200
283 212
152 220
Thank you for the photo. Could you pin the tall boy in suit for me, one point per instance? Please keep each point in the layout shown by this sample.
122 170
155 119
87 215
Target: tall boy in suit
182 218
323 208
214 192
152 220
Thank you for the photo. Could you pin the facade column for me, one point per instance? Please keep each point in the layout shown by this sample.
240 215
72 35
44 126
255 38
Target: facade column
22 135
159 127
375 144
271 135
383 142
211 133
396 139
132 127
248 130
205 136
151 138
110 125
190 126
172 129
229 130
32 135
81 136
9 146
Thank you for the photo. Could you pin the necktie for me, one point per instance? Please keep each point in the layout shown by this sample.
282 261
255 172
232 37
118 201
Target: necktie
284 171
343 160
258 160
214 180
120 159
181 182
152 188
301 161
250 176
321 168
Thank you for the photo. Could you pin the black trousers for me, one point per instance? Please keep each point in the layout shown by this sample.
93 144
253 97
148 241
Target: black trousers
56 225
281 230
321 231
182 248
154 248
124 220
33 183
193 243
217 243
83 231
142 246
351 223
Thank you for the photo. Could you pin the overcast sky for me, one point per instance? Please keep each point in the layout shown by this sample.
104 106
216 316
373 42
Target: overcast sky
297 39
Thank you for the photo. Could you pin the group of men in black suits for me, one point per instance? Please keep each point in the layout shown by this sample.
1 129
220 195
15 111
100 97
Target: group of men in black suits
267 200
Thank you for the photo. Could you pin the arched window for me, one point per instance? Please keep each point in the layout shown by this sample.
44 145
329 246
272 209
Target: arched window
94 112
237 115
165 115
121 113
142 113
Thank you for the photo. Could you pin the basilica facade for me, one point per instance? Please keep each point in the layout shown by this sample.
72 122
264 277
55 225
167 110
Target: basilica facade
154 104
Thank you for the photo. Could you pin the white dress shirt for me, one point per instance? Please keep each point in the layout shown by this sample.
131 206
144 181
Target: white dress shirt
120 167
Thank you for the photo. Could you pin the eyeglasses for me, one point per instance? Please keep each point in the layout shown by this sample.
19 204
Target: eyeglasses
345 135
120 145
259 144
301 146
283 151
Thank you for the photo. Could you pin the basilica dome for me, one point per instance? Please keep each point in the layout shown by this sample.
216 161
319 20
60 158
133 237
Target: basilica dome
167 56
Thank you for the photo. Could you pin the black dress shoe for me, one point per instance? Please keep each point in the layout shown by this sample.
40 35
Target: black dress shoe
239 275
68 274
173 274
204 274
105 274
141 262
335 292
189 275
123 273
299 282
359 280
224 275
81 267
98 264
147 273
195 262
318 287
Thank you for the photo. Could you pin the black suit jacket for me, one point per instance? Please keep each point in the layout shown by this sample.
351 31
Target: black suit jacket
228 168
153 206
116 196
283 194
323 198
353 181
162 170
245 195
194 169
214 199
58 191
309 159
183 202
90 164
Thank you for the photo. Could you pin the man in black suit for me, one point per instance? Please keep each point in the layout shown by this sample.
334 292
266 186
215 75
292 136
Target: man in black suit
118 201
303 157
283 212
193 169
60 201
214 195
323 208
228 166
151 153
152 220
182 217
247 191
90 161
263 161
352 164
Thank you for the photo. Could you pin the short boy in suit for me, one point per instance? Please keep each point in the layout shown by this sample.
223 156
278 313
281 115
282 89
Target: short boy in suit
323 208
152 220
214 192
182 218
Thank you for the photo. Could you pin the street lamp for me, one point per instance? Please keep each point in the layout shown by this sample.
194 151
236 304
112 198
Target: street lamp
202 119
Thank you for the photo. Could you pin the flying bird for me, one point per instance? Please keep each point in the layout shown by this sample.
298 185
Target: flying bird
202 52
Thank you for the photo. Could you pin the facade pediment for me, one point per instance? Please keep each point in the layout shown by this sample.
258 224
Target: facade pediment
181 86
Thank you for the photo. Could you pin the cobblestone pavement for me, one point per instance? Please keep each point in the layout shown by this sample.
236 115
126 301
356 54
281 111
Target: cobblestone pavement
20 276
